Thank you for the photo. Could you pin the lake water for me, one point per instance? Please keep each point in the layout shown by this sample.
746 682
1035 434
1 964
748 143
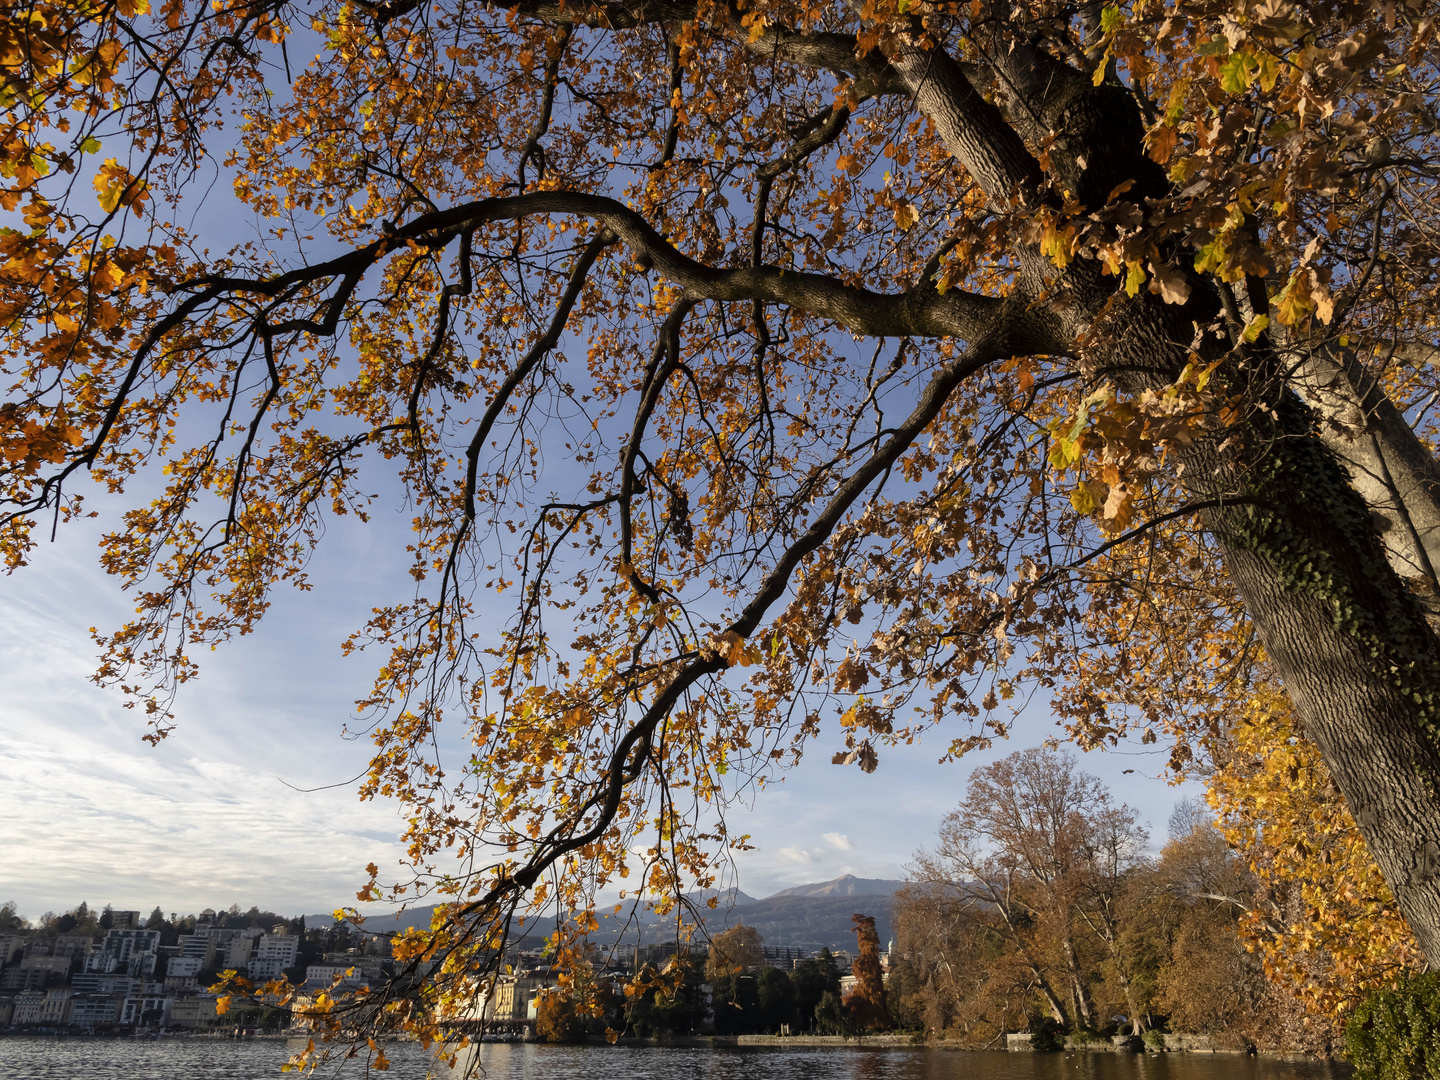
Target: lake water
208 1059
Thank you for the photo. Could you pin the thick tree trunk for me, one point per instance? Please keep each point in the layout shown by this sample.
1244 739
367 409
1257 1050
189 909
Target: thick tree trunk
1359 663
1347 637
1389 467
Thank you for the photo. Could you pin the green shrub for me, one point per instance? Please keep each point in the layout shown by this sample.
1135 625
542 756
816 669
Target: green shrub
1046 1034
1395 1034
1154 1040
1085 1036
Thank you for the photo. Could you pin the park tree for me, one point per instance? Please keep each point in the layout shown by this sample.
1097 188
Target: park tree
734 951
866 1001
775 363
814 979
1040 845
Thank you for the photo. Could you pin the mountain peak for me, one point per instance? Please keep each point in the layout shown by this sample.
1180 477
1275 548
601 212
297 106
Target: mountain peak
845 885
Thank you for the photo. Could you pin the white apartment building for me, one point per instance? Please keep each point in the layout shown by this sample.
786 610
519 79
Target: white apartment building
198 946
273 954
320 976
184 967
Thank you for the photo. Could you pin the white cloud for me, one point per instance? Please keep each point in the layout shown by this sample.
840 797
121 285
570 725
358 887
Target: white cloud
794 854
93 813
838 840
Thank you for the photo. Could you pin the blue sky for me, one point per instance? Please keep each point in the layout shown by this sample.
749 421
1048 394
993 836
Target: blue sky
211 816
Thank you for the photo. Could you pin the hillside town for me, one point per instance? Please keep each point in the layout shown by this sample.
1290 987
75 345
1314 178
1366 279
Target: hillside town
119 973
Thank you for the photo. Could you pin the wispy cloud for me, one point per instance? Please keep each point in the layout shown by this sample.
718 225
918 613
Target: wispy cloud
838 840
205 819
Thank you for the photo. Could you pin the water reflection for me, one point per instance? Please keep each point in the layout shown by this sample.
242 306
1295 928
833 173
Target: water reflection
531 1062
207 1059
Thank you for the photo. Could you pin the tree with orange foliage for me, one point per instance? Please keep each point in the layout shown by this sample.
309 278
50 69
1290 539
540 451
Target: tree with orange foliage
1083 348
1325 922
866 1002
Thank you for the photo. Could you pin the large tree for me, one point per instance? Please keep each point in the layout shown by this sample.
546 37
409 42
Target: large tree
768 360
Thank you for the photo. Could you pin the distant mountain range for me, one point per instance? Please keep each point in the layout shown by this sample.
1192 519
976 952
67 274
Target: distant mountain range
811 916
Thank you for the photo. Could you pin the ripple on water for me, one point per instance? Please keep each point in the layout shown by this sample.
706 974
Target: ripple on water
214 1059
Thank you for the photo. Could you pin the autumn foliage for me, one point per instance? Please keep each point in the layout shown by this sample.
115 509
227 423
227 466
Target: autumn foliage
1324 920
866 1003
751 375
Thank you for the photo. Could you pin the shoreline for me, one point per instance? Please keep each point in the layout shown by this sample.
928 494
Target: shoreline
1196 1045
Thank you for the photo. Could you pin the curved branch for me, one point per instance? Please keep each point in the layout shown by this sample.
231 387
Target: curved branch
918 312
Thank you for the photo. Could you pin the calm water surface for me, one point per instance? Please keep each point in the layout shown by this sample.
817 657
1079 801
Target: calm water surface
205 1059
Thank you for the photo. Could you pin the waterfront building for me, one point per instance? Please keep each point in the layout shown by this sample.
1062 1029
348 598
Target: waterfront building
194 1012
87 1010
511 1000
320 976
371 967
55 1008
146 1010
28 1006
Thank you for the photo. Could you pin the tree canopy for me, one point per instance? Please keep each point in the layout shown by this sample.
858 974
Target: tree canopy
752 370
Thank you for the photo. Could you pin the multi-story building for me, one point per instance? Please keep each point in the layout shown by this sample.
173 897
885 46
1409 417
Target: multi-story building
273 954
45 971
17 978
511 1000
55 1009
371 967
146 1010
28 1006
12 947
237 952
88 1010
182 967
111 985
132 952
784 957
193 1012
198 947
320 976
125 920
77 946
